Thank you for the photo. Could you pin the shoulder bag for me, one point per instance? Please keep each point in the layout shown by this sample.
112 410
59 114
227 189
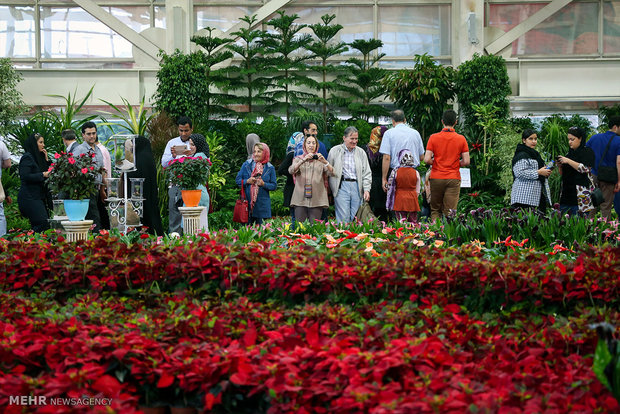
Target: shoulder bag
241 213
607 174
589 198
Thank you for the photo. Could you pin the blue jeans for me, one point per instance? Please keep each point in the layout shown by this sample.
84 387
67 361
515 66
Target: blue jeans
617 204
175 220
570 210
255 220
347 201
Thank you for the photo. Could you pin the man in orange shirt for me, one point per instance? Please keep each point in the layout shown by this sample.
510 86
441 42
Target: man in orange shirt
446 151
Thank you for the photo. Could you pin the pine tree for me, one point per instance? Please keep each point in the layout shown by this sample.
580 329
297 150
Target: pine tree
366 79
286 49
247 75
215 78
324 47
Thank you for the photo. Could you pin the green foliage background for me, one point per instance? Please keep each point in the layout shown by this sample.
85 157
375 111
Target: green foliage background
483 80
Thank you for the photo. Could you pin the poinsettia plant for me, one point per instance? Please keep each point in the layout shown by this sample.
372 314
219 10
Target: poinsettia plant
73 177
188 172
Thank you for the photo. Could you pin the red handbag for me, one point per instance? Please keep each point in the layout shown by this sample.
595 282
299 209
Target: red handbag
241 212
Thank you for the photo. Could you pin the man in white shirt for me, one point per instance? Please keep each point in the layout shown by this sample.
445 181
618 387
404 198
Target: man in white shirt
174 149
396 139
5 162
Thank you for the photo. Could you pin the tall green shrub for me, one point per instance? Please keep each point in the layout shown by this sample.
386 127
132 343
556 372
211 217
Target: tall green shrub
286 47
483 80
215 99
181 85
247 76
331 77
365 79
422 92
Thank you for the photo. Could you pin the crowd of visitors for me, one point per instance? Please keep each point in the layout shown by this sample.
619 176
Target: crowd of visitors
383 174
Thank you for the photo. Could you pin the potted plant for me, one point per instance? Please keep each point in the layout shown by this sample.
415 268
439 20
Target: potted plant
188 173
73 180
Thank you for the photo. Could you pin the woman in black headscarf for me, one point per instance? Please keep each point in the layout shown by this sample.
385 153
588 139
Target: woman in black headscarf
575 169
145 168
375 159
33 198
530 188
201 144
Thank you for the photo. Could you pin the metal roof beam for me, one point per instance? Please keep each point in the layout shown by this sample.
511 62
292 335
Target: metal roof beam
525 26
119 27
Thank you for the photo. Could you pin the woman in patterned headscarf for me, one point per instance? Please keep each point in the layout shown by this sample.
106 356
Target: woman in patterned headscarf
375 159
403 188
258 177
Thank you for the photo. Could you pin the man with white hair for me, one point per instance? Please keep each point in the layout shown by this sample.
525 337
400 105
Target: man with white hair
352 177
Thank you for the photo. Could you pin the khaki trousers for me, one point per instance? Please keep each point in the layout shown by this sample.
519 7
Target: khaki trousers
444 197
608 195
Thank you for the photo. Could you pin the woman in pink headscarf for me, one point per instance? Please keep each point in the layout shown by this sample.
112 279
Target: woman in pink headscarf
259 178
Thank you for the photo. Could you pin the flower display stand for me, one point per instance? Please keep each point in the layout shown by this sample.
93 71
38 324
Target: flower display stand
125 207
191 219
126 211
77 230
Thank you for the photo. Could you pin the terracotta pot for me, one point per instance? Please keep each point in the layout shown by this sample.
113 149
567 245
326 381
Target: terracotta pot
191 198
153 410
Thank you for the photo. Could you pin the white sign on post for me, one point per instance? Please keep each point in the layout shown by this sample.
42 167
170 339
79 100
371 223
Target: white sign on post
465 177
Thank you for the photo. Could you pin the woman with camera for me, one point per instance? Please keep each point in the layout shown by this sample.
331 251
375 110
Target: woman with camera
575 168
310 171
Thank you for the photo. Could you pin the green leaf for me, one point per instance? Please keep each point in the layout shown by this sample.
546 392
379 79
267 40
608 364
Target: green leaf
602 357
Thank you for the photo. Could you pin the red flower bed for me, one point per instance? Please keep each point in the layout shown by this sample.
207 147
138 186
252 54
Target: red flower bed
107 265
409 330
387 357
